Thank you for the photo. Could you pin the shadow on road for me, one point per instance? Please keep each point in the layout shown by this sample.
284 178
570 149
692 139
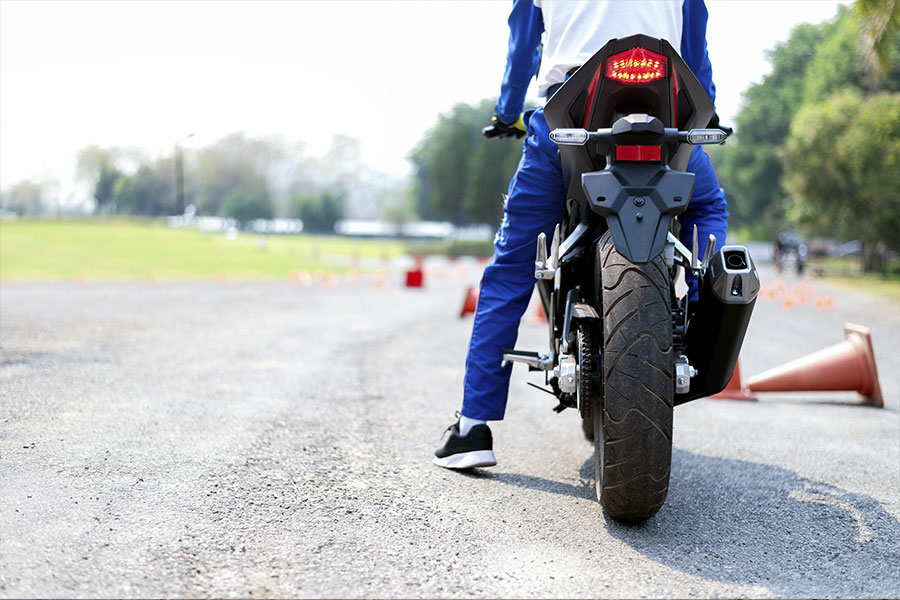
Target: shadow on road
748 523
583 489
755 524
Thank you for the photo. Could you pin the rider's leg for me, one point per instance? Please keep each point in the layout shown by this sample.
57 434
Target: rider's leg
535 204
707 209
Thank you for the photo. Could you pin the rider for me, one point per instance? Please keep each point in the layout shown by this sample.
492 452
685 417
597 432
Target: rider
573 32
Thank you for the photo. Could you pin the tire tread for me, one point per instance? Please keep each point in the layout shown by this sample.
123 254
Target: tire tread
635 421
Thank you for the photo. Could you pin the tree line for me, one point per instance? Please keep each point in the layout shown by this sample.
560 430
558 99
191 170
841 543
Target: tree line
817 145
459 176
237 176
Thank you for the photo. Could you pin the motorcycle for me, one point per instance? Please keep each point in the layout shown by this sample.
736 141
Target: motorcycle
789 251
624 349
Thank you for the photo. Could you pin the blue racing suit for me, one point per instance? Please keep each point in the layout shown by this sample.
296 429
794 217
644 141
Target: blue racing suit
536 203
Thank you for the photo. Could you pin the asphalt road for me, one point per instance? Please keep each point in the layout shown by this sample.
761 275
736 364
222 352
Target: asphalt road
267 439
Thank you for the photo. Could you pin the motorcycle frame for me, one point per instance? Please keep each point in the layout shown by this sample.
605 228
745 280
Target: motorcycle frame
603 193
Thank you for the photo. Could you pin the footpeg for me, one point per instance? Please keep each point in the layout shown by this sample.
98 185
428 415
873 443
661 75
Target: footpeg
535 361
542 267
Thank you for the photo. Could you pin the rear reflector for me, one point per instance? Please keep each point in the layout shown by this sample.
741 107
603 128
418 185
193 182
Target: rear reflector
636 66
638 153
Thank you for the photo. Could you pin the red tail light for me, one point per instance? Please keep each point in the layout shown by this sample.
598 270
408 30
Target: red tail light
638 153
636 66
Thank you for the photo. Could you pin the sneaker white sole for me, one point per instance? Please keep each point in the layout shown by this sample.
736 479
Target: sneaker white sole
467 460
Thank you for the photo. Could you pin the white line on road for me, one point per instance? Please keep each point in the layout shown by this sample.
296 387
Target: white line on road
863 533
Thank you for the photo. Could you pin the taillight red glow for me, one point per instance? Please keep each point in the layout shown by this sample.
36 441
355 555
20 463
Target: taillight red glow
638 153
636 66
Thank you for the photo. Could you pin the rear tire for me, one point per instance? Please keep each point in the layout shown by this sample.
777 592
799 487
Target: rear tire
633 420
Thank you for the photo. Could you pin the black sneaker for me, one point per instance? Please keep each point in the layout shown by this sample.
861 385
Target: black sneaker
466 452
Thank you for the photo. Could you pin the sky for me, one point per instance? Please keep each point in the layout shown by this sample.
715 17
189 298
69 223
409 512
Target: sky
148 74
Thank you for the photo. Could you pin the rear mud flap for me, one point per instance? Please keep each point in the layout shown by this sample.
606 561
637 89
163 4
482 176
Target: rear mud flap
639 216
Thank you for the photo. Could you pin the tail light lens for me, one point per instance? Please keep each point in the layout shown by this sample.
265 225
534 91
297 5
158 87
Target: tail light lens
638 153
636 66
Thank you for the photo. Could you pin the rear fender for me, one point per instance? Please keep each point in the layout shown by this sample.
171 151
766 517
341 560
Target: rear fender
638 216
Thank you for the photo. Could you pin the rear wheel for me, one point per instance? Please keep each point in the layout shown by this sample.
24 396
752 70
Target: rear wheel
633 420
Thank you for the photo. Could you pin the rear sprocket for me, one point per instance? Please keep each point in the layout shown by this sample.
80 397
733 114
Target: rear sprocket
586 387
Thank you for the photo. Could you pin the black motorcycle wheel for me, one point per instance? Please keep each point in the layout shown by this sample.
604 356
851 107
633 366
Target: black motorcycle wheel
633 420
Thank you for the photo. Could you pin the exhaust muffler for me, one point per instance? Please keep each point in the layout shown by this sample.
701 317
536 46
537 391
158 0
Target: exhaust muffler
716 330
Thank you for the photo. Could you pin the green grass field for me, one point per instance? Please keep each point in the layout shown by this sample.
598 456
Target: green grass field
110 250
846 273
103 250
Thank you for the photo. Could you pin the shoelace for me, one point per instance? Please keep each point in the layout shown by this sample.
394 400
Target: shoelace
457 415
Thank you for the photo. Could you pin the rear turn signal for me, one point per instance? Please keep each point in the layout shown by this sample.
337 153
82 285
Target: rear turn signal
638 153
636 66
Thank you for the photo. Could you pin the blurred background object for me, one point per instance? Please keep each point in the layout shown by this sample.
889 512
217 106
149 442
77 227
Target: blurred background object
273 134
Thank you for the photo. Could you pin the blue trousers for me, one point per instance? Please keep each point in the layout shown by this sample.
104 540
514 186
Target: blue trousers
535 204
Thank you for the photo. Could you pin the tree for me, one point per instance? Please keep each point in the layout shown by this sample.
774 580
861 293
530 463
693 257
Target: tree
841 61
319 211
837 63
814 63
748 165
93 163
397 204
25 198
246 206
342 170
147 192
460 176
234 163
842 170
880 27
490 167
104 191
91 160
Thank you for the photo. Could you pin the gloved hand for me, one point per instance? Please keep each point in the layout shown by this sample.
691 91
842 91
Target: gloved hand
498 128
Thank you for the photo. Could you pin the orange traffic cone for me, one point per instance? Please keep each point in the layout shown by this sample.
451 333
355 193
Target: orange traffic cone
735 389
414 278
849 366
539 318
471 301
381 280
